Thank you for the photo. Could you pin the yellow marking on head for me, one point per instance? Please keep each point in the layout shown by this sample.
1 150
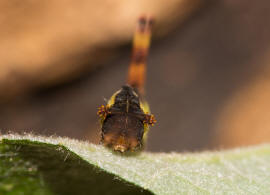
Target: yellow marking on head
144 106
112 99
146 109
146 129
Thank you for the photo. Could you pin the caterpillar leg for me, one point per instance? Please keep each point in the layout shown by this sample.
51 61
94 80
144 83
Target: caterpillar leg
149 119
103 111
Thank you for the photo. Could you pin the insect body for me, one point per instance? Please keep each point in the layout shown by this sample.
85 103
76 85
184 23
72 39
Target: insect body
125 119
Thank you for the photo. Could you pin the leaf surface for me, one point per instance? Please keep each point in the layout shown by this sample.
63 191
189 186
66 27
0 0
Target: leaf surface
55 165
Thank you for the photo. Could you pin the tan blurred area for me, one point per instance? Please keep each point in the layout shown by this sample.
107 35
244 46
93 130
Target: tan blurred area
208 80
49 42
245 117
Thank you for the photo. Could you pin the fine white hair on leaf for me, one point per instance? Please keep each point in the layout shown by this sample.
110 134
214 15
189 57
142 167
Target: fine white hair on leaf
238 171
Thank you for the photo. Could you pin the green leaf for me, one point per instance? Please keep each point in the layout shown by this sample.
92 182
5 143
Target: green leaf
52 165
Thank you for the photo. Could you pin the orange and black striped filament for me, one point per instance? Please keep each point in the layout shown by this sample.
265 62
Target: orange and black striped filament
126 118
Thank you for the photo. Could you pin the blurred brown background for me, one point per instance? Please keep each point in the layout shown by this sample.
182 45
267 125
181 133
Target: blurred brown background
208 79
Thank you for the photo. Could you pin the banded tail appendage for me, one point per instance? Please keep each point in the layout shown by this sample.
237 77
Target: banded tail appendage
126 118
141 43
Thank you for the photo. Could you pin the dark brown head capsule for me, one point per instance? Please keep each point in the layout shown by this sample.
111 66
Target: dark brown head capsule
124 121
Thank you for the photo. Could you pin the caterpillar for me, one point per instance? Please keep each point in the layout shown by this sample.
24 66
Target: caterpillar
126 118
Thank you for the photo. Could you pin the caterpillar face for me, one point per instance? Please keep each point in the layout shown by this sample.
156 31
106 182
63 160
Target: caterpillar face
124 121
